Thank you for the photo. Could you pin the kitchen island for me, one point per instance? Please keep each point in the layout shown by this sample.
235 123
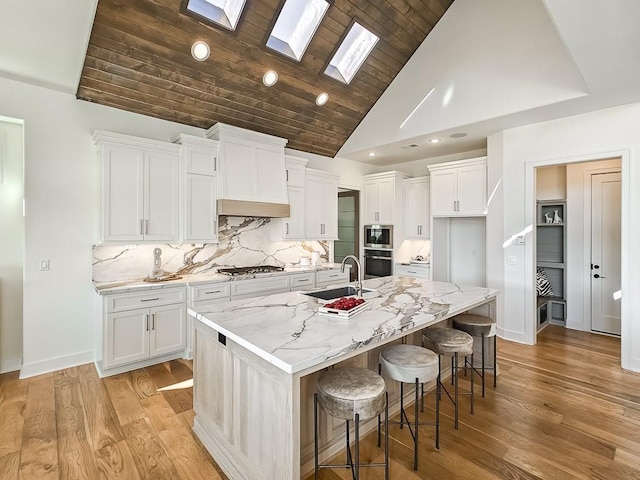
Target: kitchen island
257 362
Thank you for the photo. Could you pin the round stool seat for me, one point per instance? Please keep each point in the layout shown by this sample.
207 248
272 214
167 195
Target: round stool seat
406 363
347 392
446 341
475 325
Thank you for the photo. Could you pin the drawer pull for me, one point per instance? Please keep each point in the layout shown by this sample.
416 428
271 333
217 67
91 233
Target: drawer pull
213 291
150 299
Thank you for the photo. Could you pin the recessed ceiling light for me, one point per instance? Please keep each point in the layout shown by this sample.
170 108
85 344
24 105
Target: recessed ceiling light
458 135
372 154
200 51
270 78
322 98
435 140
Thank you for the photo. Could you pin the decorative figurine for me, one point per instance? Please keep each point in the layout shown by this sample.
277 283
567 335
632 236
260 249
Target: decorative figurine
547 217
556 217
156 271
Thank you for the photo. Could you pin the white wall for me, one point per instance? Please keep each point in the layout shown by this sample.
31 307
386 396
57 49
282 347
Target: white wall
513 154
61 213
551 183
11 245
61 191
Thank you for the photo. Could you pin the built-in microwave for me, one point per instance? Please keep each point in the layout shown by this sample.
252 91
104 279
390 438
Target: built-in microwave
378 236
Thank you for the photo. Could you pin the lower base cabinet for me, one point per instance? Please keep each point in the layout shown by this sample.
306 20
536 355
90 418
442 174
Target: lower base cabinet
133 335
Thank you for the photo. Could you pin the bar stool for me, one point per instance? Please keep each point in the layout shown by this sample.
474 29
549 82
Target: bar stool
449 341
352 394
409 364
482 327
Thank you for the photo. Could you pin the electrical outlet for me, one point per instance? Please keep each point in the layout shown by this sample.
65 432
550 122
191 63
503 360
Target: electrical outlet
512 260
44 264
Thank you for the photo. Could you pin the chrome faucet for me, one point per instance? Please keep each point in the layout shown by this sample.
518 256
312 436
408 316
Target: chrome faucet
359 281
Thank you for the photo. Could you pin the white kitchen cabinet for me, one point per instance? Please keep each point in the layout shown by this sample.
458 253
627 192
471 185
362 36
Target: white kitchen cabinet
302 281
139 329
200 194
139 189
257 287
331 276
416 208
459 188
383 200
321 195
251 165
293 227
416 270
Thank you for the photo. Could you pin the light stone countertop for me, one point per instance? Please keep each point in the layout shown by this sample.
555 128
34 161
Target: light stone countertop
286 330
138 285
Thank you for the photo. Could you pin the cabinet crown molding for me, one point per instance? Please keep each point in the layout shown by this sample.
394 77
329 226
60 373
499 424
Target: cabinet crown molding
392 173
425 178
293 160
102 136
458 163
221 131
193 141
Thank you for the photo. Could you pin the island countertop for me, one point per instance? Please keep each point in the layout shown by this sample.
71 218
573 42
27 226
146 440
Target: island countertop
287 331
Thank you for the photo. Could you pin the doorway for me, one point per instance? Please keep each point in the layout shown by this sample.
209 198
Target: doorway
348 227
11 243
574 247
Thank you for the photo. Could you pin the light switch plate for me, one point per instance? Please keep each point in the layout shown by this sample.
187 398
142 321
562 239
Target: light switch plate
44 264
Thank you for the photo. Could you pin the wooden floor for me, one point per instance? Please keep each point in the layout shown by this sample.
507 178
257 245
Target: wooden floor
563 409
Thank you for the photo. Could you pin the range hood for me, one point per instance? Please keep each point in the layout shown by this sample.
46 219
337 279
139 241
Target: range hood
243 208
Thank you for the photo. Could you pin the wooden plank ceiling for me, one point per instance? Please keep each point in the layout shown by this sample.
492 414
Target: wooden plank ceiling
139 59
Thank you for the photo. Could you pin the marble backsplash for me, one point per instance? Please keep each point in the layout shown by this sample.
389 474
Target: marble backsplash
242 241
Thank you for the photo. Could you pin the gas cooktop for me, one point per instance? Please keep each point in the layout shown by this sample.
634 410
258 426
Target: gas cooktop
249 270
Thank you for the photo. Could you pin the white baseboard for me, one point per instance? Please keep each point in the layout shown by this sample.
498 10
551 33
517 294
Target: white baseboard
57 363
10 364
513 336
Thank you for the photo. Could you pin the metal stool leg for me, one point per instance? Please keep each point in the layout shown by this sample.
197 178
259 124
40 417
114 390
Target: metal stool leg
415 440
471 379
315 435
482 340
455 372
495 363
438 386
357 441
402 405
386 437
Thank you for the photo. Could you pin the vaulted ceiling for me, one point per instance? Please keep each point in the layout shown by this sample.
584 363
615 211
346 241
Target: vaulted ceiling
139 59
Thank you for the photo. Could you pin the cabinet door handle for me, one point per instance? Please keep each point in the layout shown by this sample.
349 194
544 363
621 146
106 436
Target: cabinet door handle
141 227
287 228
215 164
153 321
215 227
146 227
287 175
150 299
213 291
147 318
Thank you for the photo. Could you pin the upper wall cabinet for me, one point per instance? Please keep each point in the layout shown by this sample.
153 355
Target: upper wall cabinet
416 208
251 165
139 188
199 189
383 198
321 195
459 188
293 227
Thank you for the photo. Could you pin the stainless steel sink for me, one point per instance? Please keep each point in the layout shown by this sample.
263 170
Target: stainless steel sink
332 293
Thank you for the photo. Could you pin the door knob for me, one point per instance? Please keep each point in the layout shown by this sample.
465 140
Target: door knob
596 266
596 276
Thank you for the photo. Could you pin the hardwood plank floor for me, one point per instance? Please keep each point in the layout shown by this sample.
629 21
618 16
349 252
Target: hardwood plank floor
563 409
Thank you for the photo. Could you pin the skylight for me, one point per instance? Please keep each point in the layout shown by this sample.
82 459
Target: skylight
297 22
225 13
352 53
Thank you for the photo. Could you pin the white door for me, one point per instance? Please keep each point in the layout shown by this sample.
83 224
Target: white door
412 209
472 190
313 207
371 213
294 225
200 217
605 252
386 200
127 337
161 196
168 329
444 193
330 209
